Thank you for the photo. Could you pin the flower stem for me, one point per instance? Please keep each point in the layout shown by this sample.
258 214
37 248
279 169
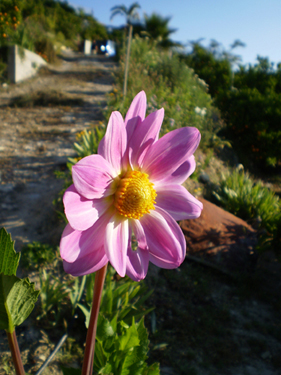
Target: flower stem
88 362
14 347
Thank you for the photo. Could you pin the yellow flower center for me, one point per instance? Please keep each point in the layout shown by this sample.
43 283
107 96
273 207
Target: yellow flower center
135 195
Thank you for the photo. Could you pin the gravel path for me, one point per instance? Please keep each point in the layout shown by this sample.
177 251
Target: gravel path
37 141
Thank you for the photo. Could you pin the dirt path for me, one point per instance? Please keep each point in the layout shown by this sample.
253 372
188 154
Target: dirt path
36 141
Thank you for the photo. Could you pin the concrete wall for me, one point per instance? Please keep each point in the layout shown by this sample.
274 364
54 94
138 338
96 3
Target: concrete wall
22 63
87 47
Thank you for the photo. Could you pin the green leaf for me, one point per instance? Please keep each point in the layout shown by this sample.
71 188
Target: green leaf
130 338
132 363
9 259
143 336
101 357
104 329
106 370
17 300
70 371
86 312
152 370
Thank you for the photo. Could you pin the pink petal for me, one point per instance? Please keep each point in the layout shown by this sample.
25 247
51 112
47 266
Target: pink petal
135 114
178 202
76 243
137 263
113 145
86 264
167 154
82 213
145 134
69 244
167 246
92 177
139 234
116 243
182 173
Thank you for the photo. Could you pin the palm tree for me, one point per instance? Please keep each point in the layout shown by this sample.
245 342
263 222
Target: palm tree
131 14
157 28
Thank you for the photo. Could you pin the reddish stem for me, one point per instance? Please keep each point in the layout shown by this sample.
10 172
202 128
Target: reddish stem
14 347
88 362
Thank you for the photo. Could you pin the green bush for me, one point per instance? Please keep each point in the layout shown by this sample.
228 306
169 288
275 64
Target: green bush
168 83
252 112
122 341
213 68
10 18
36 255
87 143
45 49
239 194
272 240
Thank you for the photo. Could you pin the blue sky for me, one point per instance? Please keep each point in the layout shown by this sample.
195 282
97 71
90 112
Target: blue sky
257 23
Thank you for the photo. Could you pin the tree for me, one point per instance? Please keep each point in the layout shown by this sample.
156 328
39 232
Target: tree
157 28
10 18
131 15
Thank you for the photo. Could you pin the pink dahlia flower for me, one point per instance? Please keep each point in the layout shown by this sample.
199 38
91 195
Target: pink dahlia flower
131 190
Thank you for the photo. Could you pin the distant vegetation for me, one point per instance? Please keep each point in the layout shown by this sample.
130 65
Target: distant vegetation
249 100
44 26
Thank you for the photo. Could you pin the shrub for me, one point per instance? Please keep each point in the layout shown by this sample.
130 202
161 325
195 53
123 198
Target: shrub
252 112
168 83
213 68
253 123
45 49
239 194
36 255
10 18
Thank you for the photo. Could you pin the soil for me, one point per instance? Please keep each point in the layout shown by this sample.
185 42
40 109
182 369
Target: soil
205 323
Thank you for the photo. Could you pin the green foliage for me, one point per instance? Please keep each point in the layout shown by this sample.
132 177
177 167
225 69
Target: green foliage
3 70
70 371
156 27
168 83
252 112
122 300
36 255
76 292
87 143
249 200
122 340
131 13
213 68
271 240
123 352
10 18
17 300
43 26
92 29
249 100
9 259
53 297
17 296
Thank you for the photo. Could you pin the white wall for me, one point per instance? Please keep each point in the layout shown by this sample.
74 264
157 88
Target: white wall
87 47
22 63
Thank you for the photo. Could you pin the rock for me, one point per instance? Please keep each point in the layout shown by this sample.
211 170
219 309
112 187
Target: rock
204 178
222 238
